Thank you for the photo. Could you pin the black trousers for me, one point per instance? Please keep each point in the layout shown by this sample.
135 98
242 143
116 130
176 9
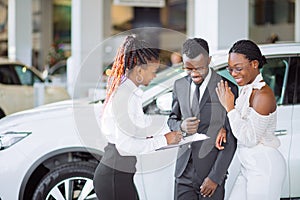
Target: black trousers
111 184
113 178
187 187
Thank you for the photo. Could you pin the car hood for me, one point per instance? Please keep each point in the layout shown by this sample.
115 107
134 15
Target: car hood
58 110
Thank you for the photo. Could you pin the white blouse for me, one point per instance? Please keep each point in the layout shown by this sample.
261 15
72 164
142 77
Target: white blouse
249 127
124 123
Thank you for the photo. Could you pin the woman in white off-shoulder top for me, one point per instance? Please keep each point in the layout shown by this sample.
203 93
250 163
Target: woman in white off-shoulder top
253 121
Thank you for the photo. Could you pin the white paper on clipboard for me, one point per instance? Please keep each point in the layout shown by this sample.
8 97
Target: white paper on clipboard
186 140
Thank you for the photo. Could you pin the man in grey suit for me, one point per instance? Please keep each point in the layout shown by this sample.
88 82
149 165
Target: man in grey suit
201 168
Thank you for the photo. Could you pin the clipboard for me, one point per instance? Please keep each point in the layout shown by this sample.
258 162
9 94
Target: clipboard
186 140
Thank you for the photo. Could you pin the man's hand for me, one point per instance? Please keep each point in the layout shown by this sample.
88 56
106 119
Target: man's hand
208 187
221 138
190 125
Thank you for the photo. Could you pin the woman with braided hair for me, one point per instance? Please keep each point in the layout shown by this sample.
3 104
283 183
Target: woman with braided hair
128 130
253 122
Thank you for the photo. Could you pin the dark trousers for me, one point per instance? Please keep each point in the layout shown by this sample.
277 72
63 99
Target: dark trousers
111 184
187 186
113 178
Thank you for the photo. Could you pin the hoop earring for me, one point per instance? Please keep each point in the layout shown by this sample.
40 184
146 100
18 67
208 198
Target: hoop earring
139 78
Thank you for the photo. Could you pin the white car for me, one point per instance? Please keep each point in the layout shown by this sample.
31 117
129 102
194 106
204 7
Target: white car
50 152
17 91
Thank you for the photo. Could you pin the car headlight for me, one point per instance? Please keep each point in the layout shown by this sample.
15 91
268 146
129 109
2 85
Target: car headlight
10 138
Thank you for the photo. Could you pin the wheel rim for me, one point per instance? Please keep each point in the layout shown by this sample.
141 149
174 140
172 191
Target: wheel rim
78 188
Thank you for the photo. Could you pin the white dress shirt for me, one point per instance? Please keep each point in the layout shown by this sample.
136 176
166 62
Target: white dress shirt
201 88
124 123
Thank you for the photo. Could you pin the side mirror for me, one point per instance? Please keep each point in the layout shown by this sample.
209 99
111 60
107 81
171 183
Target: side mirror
164 103
45 74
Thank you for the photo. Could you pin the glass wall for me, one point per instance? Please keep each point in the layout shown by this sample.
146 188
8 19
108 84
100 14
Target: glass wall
271 20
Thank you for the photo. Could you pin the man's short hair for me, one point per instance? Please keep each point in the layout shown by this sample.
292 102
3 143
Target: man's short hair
194 47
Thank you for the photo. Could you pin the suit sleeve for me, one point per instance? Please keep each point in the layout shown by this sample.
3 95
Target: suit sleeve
174 120
219 170
224 158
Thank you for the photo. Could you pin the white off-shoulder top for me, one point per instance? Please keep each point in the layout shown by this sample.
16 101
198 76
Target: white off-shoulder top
249 127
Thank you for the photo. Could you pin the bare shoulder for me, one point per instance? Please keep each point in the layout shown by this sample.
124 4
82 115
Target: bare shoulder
263 101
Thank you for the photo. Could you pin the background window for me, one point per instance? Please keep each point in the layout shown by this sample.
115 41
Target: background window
26 76
293 85
274 75
7 76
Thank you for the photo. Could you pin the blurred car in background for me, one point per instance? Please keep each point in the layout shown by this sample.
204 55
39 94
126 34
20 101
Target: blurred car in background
51 152
17 90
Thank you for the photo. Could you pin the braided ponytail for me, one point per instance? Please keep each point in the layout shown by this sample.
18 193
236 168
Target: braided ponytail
131 53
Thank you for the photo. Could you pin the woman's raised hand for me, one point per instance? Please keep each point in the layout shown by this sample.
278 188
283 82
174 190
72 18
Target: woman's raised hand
226 97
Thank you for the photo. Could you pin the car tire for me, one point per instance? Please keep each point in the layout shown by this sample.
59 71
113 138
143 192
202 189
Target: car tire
2 114
77 178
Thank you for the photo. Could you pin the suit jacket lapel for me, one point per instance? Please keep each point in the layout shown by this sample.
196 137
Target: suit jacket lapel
186 90
210 89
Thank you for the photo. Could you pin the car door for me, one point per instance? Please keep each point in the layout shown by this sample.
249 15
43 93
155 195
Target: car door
294 157
275 74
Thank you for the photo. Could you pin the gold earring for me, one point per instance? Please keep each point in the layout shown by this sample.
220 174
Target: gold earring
139 78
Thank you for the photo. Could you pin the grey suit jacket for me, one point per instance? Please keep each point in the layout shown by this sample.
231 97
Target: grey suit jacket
207 160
